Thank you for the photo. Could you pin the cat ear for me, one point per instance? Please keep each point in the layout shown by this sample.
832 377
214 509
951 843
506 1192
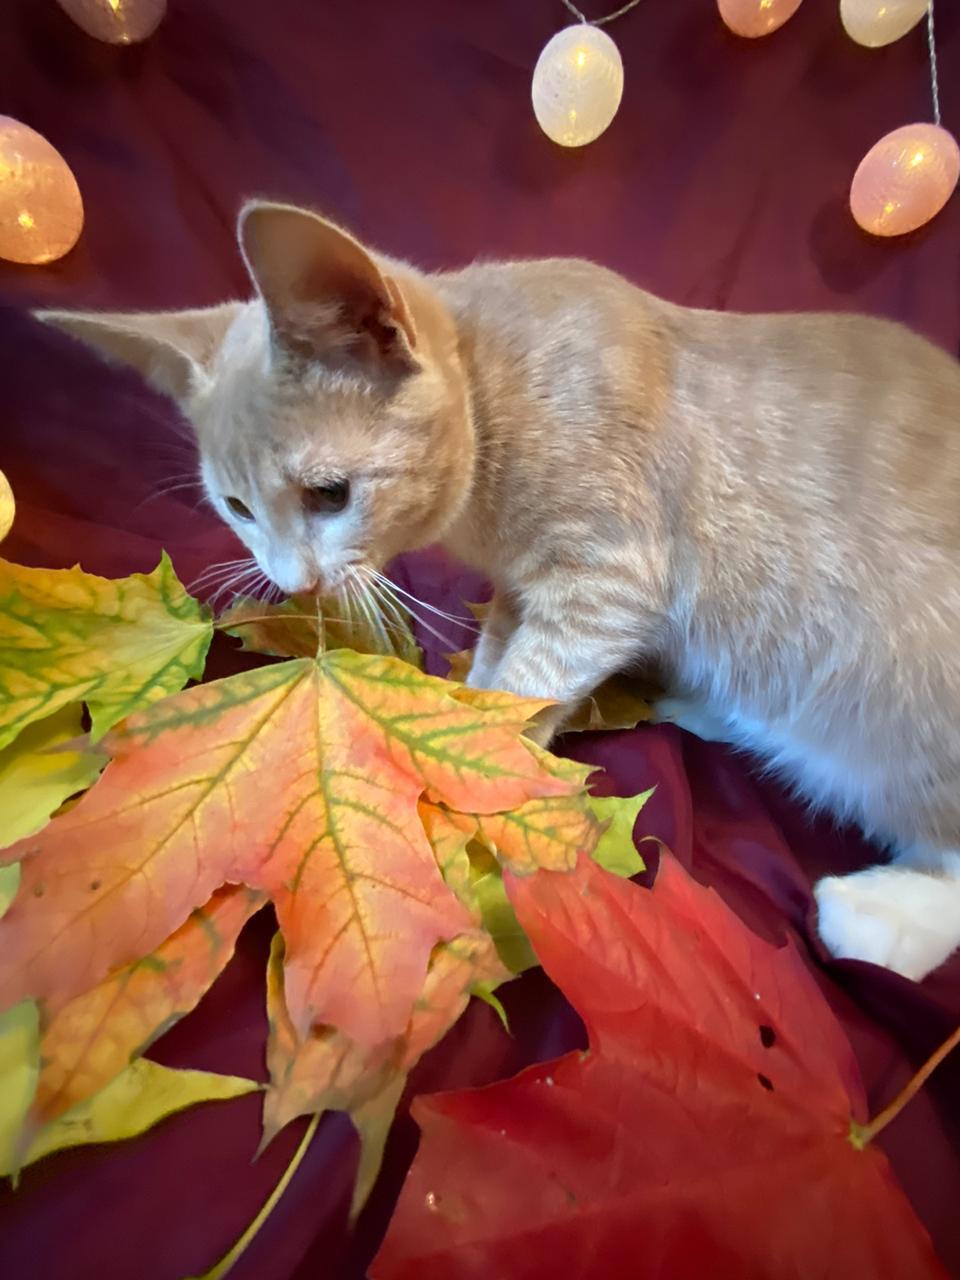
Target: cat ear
326 296
169 348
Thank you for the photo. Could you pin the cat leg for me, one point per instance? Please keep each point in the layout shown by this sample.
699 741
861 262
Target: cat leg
906 918
551 660
499 625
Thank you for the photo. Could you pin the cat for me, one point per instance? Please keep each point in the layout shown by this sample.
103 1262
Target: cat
766 505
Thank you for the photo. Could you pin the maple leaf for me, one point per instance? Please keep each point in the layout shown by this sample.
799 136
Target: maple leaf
615 850
300 779
9 885
91 1038
303 626
621 702
327 1070
38 772
699 1135
68 636
469 857
134 1101
450 834
548 831
19 1071
497 913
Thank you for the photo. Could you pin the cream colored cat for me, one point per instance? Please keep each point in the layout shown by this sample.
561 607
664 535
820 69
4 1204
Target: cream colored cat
769 506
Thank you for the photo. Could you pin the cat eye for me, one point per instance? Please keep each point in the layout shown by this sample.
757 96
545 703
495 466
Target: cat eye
239 509
326 498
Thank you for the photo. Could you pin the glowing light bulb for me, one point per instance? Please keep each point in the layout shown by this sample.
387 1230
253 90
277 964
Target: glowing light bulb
41 210
116 21
905 179
7 507
577 85
878 22
753 18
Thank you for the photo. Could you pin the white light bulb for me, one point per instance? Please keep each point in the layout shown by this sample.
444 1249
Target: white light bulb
7 507
878 22
577 85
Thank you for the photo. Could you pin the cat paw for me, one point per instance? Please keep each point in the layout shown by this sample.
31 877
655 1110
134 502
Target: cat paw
692 717
904 920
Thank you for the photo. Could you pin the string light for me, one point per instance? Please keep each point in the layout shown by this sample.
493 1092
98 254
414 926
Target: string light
116 21
753 18
7 506
578 80
41 210
907 177
878 22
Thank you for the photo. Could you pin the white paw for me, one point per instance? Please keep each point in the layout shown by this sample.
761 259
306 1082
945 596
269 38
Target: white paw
905 920
692 717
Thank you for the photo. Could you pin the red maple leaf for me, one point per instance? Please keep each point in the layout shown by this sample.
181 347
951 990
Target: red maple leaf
708 1132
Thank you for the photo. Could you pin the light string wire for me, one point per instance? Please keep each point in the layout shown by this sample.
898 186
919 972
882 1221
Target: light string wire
602 22
931 41
932 51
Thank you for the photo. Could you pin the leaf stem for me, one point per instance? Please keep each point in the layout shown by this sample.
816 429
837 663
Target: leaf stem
221 1268
861 1134
226 624
321 631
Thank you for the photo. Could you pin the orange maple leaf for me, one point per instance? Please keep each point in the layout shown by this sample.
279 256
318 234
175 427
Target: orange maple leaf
92 1037
329 1071
302 780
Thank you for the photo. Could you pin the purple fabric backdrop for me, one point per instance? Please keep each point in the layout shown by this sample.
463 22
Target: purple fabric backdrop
722 183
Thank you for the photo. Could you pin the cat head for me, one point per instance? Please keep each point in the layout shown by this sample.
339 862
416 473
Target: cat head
330 410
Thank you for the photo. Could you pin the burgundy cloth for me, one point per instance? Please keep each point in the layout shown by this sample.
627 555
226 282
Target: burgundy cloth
722 183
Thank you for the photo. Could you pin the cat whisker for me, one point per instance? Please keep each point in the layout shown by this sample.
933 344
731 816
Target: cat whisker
395 621
368 608
387 605
165 490
381 590
210 581
459 619
262 588
237 583
219 569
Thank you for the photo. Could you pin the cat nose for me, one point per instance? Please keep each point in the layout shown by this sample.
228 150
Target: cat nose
295 575
297 584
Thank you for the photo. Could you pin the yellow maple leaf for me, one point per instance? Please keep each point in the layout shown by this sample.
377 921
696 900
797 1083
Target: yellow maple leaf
615 849
38 772
9 885
133 1102
19 1071
68 636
